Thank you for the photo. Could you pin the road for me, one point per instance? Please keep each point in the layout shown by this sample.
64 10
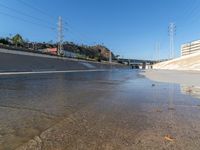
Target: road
108 110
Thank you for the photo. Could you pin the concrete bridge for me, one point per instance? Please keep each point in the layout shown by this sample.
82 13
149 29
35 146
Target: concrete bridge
139 64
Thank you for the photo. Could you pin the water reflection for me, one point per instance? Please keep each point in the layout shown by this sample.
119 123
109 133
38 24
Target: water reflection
193 91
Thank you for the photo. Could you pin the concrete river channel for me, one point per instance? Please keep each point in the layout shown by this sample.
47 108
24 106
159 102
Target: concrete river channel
105 110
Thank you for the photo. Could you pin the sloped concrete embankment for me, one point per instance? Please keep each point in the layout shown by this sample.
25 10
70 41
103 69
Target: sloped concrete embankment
15 61
190 62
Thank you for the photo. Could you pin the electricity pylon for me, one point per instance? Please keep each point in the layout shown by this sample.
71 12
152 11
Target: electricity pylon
60 35
172 32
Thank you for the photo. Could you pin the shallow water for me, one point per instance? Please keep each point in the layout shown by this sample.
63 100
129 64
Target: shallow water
98 110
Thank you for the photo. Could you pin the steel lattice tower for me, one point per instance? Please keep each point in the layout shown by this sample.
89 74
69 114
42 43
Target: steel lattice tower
60 35
172 31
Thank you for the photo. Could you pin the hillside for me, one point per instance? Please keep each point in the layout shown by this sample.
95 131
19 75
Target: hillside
96 53
190 62
93 52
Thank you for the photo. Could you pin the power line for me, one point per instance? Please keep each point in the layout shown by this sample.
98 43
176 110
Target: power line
71 29
27 21
190 16
22 13
194 16
80 36
187 10
35 8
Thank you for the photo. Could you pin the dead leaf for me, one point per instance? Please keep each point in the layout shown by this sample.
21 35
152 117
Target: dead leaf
169 138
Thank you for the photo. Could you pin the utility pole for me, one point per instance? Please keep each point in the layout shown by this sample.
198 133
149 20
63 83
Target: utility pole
172 32
110 57
157 50
33 46
60 35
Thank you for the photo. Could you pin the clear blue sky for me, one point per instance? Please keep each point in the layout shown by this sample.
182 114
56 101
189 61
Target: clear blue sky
129 28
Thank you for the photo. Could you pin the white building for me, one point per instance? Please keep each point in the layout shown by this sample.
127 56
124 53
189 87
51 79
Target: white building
190 48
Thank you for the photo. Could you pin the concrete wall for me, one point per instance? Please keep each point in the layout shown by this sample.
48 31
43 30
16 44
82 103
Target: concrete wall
24 61
188 62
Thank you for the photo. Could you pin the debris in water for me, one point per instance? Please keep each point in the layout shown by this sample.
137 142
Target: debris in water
159 110
169 138
189 91
153 85
171 108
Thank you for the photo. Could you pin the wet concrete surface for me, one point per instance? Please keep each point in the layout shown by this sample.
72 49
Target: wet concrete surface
110 110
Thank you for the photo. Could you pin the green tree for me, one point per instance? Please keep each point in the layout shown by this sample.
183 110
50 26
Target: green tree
4 41
17 40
